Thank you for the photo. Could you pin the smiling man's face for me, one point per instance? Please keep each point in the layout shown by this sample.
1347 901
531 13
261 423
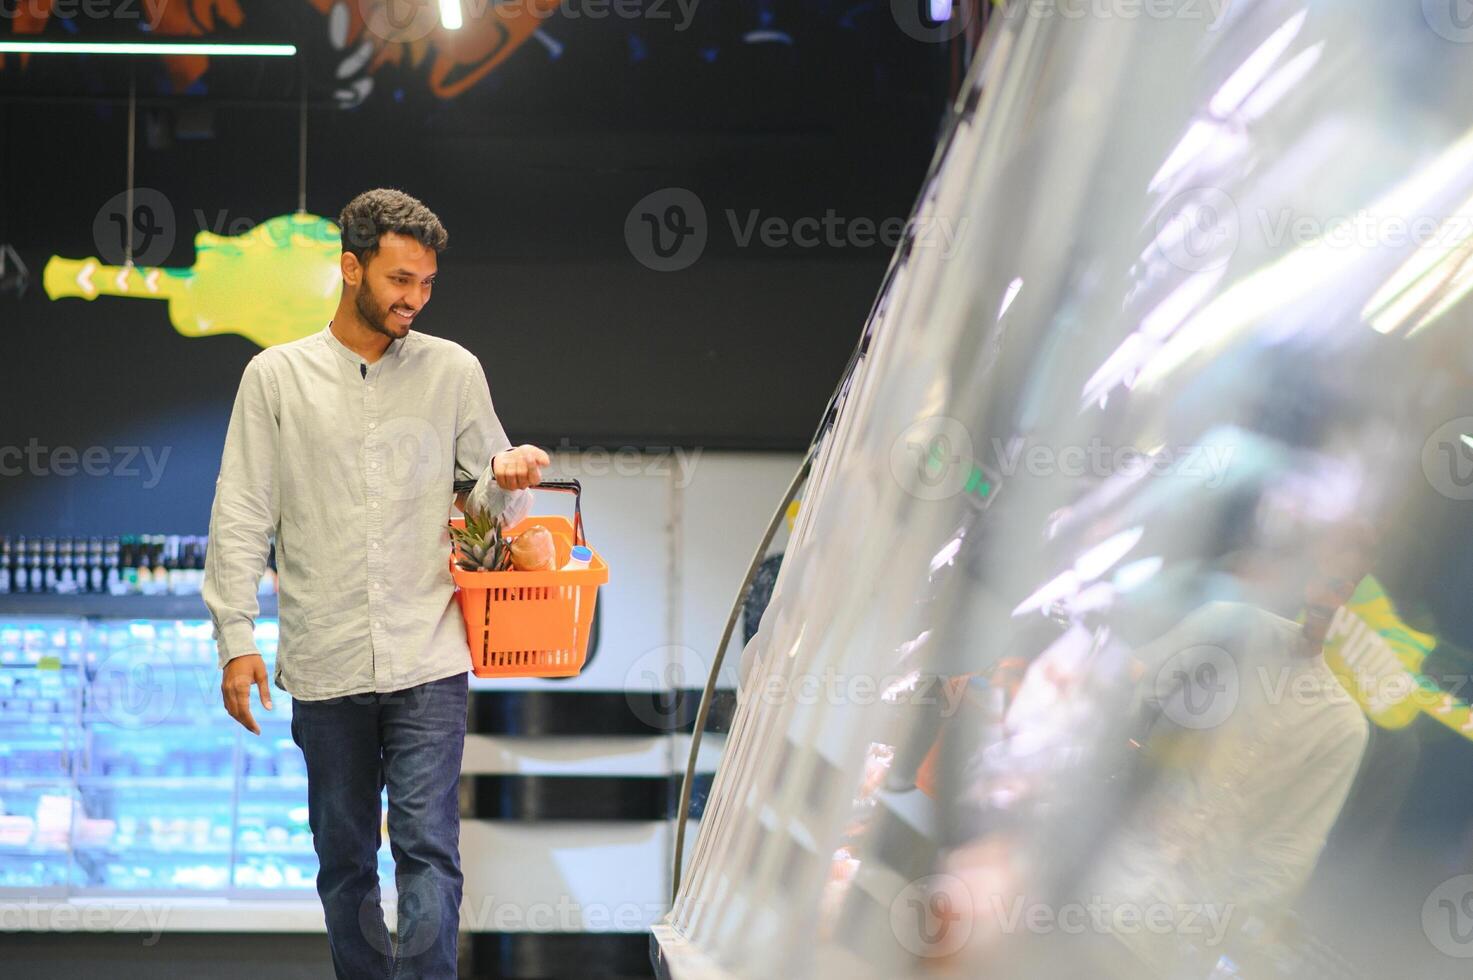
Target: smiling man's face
395 284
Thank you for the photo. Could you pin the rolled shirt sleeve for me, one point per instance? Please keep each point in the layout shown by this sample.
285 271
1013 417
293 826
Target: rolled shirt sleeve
245 513
479 438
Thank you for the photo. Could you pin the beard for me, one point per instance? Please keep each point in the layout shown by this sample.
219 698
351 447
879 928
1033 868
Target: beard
376 315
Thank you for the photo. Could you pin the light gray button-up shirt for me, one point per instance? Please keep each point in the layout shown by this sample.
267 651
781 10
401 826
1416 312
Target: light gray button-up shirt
350 466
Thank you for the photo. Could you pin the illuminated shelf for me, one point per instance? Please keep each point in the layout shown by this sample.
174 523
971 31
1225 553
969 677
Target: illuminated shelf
154 851
274 784
215 783
278 850
35 850
116 606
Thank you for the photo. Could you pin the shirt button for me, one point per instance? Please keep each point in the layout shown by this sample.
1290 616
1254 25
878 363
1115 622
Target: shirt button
375 544
377 624
373 503
373 425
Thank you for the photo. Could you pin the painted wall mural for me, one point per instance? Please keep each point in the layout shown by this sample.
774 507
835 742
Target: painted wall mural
388 50
366 36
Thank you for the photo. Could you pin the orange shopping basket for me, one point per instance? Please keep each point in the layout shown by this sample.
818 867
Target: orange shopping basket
532 624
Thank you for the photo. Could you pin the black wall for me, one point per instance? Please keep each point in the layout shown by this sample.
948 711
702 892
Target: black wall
533 171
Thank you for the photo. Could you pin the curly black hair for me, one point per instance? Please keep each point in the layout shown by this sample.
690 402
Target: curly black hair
372 213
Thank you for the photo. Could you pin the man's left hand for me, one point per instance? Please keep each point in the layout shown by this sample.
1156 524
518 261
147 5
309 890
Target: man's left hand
519 467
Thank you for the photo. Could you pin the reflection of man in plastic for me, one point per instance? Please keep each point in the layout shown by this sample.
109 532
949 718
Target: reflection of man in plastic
1252 752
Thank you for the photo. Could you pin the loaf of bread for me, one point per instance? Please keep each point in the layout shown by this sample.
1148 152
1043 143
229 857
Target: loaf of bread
534 551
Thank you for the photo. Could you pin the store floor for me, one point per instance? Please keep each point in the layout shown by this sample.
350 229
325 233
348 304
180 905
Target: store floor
175 956
291 956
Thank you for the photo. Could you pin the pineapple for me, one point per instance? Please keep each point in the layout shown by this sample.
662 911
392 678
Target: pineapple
480 545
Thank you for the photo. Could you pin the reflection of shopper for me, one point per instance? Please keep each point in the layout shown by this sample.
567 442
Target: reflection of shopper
1253 753
344 446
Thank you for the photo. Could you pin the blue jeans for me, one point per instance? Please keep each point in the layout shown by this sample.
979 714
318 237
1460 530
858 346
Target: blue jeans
412 741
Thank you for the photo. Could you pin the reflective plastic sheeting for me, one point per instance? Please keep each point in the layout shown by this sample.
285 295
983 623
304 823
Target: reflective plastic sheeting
1124 628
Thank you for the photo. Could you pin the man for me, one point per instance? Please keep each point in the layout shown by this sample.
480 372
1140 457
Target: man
1252 755
344 446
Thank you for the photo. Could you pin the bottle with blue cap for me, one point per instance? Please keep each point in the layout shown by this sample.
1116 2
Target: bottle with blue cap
579 557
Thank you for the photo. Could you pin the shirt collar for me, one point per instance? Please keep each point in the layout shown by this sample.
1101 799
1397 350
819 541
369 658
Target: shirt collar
347 353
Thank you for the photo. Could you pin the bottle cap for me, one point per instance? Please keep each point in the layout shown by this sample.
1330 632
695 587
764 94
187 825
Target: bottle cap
580 553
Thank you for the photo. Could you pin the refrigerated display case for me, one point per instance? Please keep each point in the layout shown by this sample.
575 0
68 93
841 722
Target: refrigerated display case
1103 523
122 775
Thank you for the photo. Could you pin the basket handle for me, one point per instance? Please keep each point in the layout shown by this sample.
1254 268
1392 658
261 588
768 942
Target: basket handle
565 486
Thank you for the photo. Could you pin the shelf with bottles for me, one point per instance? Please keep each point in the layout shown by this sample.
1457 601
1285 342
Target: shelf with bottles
131 564
125 607
39 574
